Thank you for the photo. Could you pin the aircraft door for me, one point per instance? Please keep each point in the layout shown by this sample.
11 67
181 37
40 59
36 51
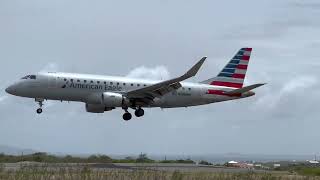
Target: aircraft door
52 82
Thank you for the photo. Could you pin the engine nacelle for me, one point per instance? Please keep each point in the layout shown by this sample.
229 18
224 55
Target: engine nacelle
110 99
97 108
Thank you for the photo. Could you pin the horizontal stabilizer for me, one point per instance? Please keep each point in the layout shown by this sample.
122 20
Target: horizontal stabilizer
243 90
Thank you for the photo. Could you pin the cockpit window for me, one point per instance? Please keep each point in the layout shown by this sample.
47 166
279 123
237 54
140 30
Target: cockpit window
30 77
26 77
33 77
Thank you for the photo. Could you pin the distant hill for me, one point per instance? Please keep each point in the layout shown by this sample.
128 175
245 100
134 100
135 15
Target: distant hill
10 150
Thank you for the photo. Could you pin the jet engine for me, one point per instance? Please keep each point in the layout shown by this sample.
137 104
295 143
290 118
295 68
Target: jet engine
110 99
100 102
97 108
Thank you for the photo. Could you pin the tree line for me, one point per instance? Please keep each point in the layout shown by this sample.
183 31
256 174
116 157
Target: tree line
47 158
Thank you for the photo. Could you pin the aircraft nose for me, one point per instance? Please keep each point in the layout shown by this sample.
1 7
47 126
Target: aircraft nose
10 90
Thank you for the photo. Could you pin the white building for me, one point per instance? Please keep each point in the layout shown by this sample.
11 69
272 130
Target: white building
276 165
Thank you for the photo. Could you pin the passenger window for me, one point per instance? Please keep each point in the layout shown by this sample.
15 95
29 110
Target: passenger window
71 80
104 82
124 84
111 83
65 79
144 85
98 82
91 81
189 89
138 85
78 80
131 84
85 81
118 84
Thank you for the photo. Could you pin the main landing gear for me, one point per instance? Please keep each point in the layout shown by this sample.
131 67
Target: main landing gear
139 112
40 101
127 116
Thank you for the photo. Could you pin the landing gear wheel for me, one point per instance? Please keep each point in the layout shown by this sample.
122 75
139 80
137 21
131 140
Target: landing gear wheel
139 112
40 101
127 116
39 111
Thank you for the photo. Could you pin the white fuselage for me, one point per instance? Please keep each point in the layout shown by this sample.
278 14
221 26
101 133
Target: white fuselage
82 87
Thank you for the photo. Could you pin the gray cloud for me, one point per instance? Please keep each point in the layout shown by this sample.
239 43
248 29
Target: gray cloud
51 67
310 4
3 98
157 73
291 92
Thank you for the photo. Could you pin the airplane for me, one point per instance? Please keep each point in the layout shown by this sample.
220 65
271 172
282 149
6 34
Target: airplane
105 93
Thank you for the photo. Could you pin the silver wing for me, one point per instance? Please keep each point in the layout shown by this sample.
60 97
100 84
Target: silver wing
146 95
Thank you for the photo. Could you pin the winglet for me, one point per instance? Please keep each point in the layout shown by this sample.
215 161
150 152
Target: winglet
194 70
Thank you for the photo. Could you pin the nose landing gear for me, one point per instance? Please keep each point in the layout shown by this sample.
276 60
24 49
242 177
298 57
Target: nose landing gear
40 101
39 110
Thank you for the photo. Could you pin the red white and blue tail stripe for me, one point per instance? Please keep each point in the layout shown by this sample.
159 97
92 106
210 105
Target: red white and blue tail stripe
234 72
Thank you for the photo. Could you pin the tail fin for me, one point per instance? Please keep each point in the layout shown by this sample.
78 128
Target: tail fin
234 72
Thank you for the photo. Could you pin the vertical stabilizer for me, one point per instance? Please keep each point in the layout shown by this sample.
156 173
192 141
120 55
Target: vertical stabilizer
234 73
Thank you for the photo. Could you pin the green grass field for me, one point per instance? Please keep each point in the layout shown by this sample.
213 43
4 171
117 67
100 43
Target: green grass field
308 171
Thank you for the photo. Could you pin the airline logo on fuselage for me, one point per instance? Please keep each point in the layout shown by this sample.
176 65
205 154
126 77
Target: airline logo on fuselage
92 87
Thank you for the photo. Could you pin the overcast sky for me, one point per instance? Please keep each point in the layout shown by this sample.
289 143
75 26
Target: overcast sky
160 39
